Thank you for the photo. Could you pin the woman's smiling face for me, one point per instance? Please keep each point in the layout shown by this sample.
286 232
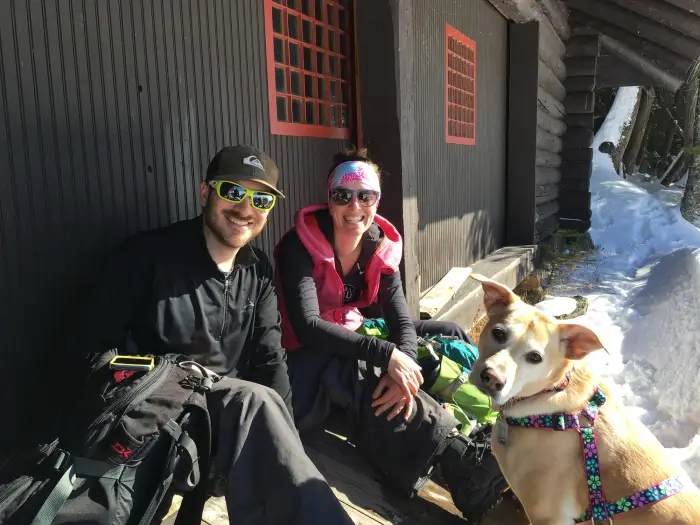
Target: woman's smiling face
353 217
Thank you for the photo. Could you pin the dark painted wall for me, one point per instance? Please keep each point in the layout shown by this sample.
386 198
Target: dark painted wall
461 189
109 114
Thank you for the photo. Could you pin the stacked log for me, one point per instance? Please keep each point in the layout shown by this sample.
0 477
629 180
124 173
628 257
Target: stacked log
574 196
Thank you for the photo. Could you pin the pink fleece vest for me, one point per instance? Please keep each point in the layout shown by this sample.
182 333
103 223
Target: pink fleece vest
329 284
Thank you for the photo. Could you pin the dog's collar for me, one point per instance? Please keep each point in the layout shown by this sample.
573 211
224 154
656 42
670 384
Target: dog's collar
561 385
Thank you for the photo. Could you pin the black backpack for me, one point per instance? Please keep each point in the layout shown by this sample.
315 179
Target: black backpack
133 440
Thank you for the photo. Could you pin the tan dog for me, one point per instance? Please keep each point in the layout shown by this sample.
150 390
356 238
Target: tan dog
524 351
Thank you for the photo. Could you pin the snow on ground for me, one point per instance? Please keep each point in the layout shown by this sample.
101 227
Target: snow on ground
644 296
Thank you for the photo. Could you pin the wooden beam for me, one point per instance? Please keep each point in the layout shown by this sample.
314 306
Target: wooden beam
671 62
615 72
402 15
546 210
666 14
574 224
577 155
550 104
522 121
648 29
577 169
521 11
579 102
580 66
547 141
547 159
547 122
574 184
581 120
691 6
647 67
558 15
578 138
583 46
549 81
554 62
544 230
580 83
547 175
546 193
572 201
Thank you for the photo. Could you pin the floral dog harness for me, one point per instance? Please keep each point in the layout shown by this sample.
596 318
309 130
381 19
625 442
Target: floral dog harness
599 508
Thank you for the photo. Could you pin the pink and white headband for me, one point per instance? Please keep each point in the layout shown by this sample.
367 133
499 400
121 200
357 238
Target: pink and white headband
354 170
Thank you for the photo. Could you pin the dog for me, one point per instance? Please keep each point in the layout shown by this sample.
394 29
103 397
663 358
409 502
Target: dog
530 365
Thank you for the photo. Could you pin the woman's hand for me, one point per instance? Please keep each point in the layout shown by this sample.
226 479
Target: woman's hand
393 399
405 372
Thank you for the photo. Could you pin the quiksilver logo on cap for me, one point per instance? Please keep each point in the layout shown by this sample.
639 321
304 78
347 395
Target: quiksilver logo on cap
253 161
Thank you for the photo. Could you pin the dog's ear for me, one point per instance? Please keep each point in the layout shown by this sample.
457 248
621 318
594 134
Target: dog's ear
497 296
580 340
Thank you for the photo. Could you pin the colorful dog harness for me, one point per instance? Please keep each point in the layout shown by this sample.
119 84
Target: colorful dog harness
599 508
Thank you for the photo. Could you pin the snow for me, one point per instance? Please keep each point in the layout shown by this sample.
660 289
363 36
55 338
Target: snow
644 296
557 306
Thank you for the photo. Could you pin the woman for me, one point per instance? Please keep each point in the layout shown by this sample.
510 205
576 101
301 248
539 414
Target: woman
340 259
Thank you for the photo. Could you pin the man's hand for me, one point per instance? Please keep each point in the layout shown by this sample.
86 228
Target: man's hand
405 372
393 399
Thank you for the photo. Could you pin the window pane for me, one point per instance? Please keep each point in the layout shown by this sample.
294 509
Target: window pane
280 80
343 44
321 89
310 113
279 51
323 114
293 26
306 31
293 4
320 41
342 19
331 16
320 62
331 40
308 60
296 110
334 90
309 86
343 69
334 116
306 7
277 21
318 12
333 65
344 117
345 96
282 109
294 59
295 81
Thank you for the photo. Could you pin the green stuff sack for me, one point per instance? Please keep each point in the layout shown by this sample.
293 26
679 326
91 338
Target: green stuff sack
446 362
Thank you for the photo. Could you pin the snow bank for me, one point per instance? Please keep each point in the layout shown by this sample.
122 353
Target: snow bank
646 297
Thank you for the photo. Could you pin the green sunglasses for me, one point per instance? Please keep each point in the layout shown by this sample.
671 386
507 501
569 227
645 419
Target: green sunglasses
233 192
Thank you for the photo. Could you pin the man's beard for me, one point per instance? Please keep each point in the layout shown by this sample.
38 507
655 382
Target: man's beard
212 220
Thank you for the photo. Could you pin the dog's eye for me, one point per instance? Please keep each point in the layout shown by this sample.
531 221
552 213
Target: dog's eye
500 335
534 358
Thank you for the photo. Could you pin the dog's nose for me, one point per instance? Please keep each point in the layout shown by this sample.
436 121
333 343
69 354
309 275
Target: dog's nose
492 379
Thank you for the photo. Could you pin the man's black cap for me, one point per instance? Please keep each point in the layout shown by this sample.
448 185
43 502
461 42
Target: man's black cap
239 163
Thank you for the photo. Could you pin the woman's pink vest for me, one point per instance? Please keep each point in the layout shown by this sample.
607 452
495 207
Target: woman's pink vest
329 284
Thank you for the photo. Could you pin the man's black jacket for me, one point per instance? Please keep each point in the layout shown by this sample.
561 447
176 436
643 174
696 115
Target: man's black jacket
162 291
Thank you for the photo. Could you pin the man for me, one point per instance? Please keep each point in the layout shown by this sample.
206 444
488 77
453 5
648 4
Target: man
197 287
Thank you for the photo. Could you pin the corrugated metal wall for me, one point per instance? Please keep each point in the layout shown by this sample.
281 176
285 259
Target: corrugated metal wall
109 113
461 198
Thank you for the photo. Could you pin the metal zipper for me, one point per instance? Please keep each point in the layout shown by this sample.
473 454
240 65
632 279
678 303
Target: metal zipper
223 323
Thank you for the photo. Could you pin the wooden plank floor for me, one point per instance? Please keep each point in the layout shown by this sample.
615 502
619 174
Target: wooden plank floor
366 501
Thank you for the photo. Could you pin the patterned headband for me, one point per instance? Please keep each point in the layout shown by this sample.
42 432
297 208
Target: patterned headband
354 170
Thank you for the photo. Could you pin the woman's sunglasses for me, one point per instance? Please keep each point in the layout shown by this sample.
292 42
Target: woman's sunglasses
343 196
232 192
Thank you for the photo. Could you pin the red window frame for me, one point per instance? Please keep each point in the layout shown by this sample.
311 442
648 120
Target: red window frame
460 88
315 82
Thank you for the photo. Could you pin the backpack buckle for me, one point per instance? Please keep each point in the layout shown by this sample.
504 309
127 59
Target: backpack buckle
59 459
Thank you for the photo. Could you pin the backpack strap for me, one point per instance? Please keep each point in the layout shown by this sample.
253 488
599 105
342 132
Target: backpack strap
80 467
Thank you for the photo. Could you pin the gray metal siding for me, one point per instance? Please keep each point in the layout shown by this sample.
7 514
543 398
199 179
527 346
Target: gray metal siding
461 198
109 114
